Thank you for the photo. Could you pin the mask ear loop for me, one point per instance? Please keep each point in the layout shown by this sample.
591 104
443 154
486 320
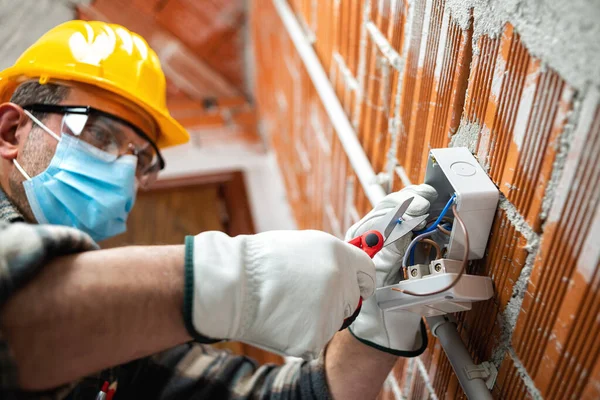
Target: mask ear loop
46 129
21 170
41 125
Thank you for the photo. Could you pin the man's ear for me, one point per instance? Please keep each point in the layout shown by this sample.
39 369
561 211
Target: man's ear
11 118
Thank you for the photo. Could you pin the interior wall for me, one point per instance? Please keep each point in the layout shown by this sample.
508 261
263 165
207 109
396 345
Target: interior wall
517 83
266 192
22 22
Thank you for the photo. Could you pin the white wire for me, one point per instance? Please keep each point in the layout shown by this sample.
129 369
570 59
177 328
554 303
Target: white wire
414 243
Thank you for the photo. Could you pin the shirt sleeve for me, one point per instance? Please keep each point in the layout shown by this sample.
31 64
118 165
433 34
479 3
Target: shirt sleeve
190 371
24 250
197 371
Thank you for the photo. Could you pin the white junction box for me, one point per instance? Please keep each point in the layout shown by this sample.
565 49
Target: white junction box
451 171
455 170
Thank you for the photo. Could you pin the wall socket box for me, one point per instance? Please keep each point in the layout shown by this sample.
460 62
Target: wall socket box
455 170
451 171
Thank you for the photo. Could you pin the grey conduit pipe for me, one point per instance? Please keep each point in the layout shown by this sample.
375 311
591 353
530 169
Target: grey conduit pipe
343 128
445 330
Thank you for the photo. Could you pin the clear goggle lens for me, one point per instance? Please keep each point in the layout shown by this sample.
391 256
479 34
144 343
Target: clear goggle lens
114 137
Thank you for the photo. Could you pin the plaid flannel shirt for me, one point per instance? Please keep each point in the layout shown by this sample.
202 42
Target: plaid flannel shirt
190 371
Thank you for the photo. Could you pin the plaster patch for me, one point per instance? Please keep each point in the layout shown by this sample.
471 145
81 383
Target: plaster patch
562 33
467 135
483 148
518 221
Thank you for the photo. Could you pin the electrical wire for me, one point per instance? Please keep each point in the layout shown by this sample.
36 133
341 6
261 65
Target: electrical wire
441 228
444 230
439 218
431 228
438 250
463 266
412 245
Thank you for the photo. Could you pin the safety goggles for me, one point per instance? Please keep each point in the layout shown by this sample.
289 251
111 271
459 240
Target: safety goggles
108 133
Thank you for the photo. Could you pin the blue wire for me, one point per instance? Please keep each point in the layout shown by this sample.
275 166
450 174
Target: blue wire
433 227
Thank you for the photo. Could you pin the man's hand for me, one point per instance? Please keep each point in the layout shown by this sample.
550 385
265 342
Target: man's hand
401 333
357 361
285 291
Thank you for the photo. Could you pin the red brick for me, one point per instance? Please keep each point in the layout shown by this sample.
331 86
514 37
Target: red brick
592 387
424 84
146 6
211 31
521 110
448 96
556 333
478 95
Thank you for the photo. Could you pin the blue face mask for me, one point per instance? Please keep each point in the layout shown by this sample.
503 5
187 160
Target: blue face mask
83 187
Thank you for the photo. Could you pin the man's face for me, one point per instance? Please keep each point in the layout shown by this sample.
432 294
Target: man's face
33 148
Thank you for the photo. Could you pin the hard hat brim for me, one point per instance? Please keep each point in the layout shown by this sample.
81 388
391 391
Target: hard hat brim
171 132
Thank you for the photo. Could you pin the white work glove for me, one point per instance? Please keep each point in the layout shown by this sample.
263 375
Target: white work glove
284 291
397 332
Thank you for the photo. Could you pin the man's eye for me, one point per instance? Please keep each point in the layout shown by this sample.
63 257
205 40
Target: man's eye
144 158
97 132
100 138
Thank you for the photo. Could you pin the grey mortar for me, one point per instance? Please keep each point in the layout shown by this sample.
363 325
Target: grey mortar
467 135
508 317
564 34
425 377
527 380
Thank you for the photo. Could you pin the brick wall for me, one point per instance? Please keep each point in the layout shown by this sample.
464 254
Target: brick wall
415 75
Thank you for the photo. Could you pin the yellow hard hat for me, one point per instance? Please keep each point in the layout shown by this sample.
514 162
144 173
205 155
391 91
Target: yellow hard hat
104 55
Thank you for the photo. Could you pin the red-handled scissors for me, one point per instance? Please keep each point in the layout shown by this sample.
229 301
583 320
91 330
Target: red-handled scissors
386 230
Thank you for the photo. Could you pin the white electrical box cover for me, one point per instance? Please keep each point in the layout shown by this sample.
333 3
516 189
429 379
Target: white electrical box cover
469 288
455 170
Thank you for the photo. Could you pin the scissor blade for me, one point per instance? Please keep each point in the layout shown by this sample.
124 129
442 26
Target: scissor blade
392 217
404 228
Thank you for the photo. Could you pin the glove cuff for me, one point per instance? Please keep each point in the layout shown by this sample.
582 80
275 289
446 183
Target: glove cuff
399 353
188 294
